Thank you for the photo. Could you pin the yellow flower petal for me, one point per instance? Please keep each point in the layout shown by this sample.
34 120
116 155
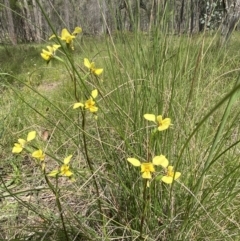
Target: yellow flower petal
31 135
67 173
177 175
17 148
45 56
67 159
97 71
22 142
52 36
50 49
170 170
46 52
87 63
150 117
77 30
135 162
66 36
146 175
56 46
93 109
160 161
65 33
94 93
167 179
170 174
77 105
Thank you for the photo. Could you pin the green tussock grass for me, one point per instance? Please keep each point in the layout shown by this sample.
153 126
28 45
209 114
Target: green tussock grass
188 79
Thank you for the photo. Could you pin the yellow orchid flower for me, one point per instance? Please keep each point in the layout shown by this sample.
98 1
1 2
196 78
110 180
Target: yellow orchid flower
39 155
66 36
49 54
91 67
18 147
171 175
162 124
90 103
64 170
147 168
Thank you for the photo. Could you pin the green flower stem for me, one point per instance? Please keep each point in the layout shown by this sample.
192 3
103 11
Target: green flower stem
71 71
73 76
55 191
89 162
145 202
152 138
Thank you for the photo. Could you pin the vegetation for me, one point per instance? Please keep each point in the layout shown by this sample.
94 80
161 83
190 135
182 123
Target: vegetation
74 174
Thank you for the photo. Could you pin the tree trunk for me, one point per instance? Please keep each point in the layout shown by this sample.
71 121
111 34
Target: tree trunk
38 22
66 10
10 25
195 16
232 14
27 22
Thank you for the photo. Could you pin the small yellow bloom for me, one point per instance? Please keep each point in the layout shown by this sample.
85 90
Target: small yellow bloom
39 155
64 170
91 67
49 54
66 36
90 103
18 147
162 124
171 175
147 168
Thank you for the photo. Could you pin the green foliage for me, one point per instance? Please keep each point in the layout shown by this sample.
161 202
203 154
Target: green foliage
182 78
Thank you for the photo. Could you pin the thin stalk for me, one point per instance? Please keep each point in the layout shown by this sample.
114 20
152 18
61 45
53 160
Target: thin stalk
89 162
55 191
144 208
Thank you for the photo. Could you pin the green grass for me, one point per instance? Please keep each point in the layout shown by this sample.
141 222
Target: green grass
188 79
